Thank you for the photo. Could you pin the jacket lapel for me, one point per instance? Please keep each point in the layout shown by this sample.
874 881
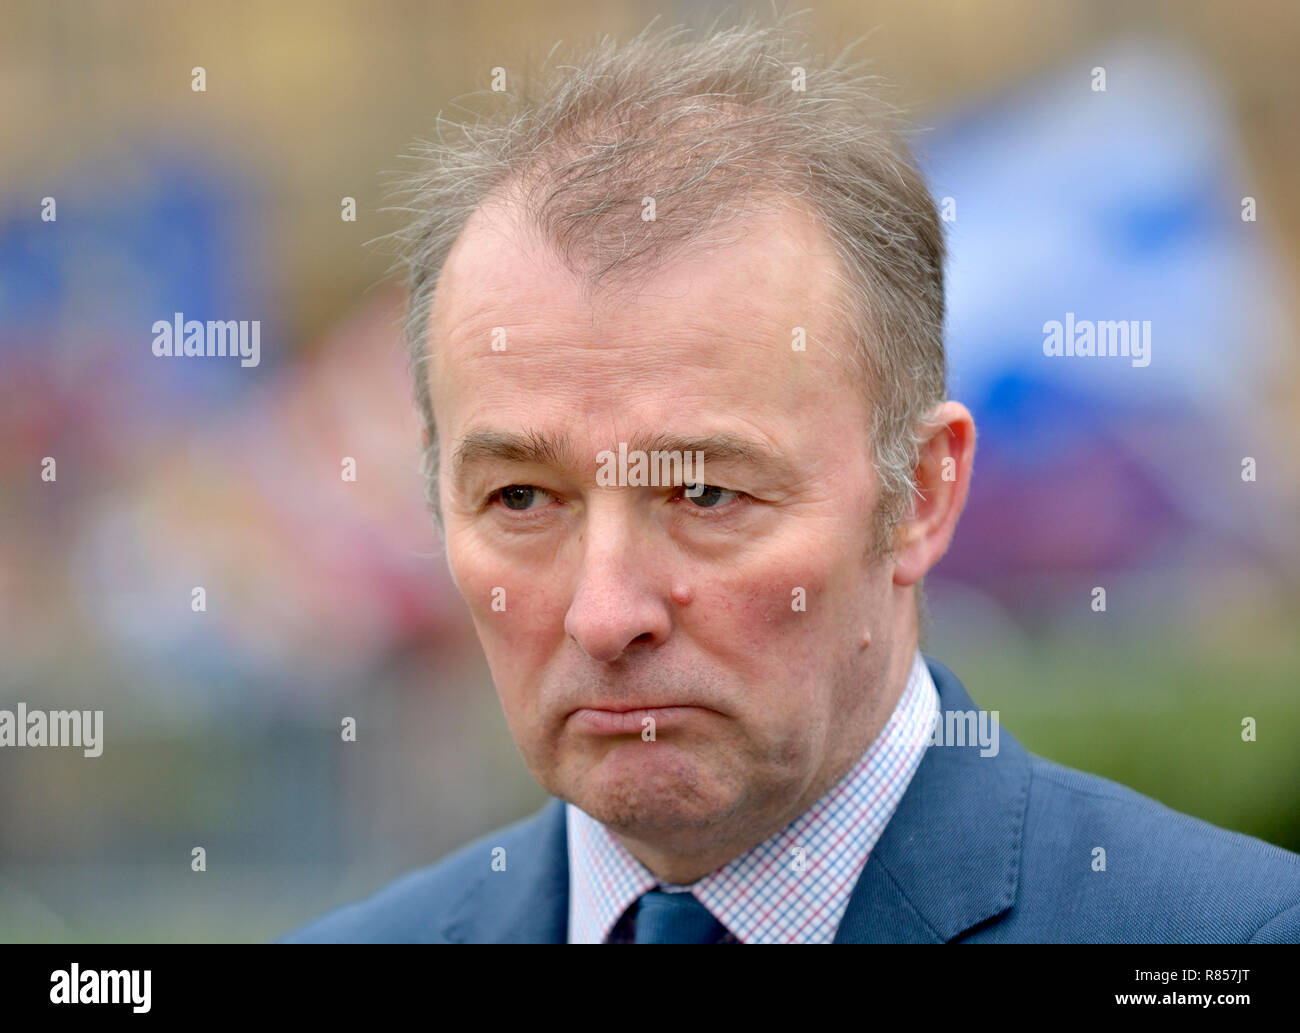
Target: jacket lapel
949 858
529 901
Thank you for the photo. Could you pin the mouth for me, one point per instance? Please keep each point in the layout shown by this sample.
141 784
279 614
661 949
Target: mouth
619 720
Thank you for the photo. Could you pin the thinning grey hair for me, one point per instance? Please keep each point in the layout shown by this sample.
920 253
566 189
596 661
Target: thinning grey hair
703 124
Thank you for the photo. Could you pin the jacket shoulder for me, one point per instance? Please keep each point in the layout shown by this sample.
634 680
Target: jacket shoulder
1115 865
415 907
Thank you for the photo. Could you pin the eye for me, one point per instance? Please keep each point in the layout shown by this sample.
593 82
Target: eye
520 497
708 496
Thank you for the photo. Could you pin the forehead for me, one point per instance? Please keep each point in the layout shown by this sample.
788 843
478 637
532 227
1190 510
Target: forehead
703 345
758 277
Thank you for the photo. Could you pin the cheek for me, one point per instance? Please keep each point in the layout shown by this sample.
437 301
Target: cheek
477 575
768 616
515 611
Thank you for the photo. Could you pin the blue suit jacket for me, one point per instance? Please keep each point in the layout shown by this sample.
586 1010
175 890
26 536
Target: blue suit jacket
981 849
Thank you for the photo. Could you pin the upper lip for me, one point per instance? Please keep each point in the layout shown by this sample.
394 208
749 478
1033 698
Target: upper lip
623 708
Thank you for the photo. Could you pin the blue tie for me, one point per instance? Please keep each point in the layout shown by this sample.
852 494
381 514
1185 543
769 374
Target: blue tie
675 918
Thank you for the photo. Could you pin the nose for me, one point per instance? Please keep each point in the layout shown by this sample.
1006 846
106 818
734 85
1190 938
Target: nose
617 604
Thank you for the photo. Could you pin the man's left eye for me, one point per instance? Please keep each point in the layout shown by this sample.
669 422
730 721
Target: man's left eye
708 496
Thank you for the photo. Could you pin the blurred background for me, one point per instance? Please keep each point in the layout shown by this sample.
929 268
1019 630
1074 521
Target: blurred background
328 599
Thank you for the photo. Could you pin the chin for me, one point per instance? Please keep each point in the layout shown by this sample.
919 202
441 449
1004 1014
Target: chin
638 791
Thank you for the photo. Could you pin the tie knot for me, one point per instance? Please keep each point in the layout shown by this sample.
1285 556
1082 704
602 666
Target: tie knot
675 918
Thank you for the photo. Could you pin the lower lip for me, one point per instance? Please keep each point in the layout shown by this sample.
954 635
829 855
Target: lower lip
631 722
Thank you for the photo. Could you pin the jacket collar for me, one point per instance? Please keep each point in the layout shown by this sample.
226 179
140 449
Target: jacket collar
529 902
947 861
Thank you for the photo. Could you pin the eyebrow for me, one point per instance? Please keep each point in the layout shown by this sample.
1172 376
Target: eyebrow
481 446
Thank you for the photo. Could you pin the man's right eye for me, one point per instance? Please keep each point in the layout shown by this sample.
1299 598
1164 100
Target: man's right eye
520 497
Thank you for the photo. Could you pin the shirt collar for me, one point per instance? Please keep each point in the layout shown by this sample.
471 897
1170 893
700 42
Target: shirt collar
795 885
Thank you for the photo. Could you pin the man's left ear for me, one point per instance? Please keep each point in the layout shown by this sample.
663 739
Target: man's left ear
943 474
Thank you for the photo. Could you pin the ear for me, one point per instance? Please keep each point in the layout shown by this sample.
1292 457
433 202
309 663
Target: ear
943 474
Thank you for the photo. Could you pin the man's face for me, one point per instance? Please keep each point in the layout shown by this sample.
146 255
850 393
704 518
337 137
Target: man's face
734 619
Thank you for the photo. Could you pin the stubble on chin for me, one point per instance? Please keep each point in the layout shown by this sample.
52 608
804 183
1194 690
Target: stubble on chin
677 797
